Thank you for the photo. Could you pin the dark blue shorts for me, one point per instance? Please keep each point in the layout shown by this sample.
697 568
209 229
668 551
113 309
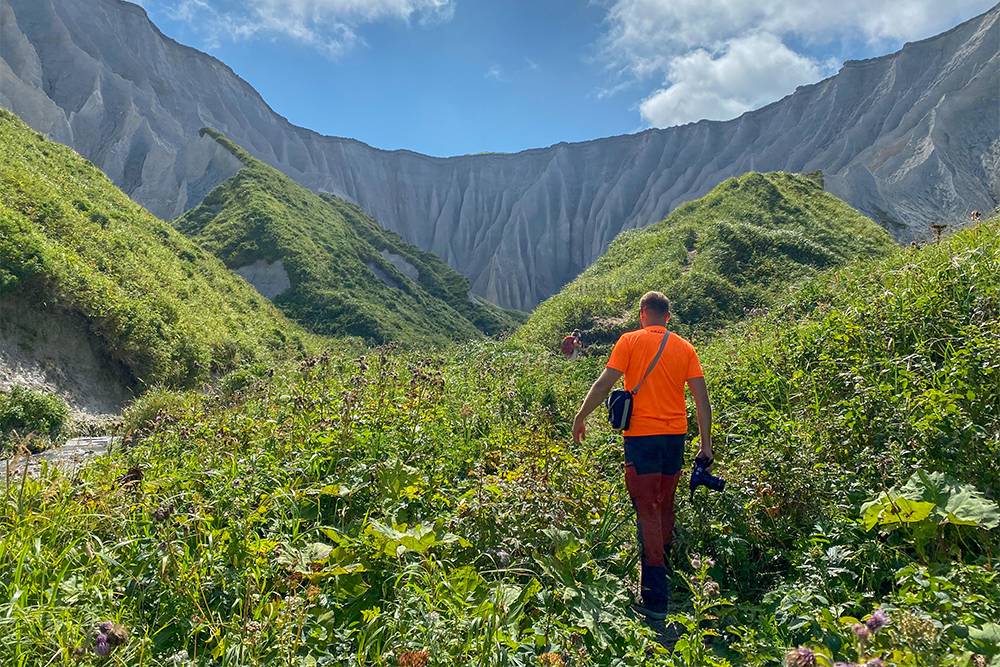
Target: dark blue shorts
655 454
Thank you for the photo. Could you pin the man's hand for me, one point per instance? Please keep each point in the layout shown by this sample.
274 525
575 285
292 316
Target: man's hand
705 453
579 428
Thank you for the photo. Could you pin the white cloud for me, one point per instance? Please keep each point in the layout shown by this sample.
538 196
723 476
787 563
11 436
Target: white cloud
495 72
747 73
331 26
698 46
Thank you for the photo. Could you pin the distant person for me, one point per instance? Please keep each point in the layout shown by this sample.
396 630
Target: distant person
976 216
654 441
572 345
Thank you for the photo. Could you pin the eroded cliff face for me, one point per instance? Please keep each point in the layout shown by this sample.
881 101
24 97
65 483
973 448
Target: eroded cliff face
908 138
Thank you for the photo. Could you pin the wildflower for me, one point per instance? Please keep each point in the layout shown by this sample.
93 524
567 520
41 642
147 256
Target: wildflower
861 631
102 646
845 664
696 562
877 621
551 659
131 477
117 634
162 513
414 658
875 662
917 630
711 589
979 660
800 657
107 636
179 659
709 562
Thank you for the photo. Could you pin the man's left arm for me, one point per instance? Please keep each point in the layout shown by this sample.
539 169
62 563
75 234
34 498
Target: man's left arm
598 392
704 407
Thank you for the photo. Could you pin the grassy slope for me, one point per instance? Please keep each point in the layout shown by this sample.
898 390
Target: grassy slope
327 247
731 251
164 308
311 513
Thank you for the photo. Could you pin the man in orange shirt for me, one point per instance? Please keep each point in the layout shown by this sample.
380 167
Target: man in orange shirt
654 441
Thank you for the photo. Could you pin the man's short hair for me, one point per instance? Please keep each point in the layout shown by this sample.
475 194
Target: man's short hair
655 302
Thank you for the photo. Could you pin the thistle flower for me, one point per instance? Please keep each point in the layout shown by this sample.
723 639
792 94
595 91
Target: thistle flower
800 657
114 634
102 646
711 589
878 620
162 513
551 659
845 664
861 631
696 562
875 662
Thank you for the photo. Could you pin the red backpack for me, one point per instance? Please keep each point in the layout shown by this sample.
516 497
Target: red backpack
567 345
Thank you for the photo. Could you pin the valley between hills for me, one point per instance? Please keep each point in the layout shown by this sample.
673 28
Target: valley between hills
329 442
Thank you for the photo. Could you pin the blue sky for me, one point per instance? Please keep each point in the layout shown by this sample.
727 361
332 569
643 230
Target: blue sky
447 77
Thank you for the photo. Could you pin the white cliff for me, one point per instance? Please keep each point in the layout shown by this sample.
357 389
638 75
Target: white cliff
908 138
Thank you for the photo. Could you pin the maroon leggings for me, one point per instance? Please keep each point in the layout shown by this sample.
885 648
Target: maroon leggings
653 499
652 470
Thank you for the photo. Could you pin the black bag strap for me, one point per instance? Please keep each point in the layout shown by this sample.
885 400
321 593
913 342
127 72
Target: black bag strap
652 364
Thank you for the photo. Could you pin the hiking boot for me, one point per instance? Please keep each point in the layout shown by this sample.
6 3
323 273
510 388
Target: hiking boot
649 613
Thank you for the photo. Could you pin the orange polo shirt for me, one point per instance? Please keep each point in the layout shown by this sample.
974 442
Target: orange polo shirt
659 408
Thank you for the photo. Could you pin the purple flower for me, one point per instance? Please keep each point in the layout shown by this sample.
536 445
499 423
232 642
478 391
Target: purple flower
875 662
861 631
845 664
800 657
102 646
877 621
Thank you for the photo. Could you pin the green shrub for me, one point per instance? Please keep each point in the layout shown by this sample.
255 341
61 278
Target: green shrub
27 412
153 407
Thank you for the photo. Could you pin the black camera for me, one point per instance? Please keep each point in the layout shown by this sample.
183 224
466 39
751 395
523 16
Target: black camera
700 476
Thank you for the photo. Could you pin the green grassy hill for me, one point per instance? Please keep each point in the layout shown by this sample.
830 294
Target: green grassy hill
717 258
161 307
345 275
428 508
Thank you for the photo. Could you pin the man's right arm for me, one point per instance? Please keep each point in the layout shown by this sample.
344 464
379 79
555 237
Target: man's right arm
699 390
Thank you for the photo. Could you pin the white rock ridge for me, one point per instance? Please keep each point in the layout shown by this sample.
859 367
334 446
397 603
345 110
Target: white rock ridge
910 138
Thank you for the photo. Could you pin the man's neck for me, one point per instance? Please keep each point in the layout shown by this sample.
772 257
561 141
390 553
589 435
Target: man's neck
655 324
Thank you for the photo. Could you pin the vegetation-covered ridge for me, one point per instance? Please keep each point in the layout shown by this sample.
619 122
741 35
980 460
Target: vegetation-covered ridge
414 508
734 250
345 275
162 308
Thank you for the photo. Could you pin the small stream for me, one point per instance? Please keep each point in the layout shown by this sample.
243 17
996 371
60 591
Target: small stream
66 458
